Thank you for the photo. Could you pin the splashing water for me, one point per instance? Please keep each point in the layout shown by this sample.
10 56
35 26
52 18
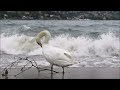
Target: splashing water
107 45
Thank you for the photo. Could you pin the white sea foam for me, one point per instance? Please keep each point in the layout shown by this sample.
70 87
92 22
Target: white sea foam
16 44
107 45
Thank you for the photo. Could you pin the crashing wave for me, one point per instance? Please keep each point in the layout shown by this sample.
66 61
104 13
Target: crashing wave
107 45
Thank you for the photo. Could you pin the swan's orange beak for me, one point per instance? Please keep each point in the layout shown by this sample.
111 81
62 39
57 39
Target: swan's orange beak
39 44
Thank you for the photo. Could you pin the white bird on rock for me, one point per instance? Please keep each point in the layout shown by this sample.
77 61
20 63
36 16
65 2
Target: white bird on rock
55 56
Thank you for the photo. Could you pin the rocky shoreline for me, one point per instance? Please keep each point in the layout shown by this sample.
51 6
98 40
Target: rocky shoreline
60 15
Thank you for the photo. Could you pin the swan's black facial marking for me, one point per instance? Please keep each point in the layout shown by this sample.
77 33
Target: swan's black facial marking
39 44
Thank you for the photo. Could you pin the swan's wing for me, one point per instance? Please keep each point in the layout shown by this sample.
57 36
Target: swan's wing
63 54
68 55
58 56
56 53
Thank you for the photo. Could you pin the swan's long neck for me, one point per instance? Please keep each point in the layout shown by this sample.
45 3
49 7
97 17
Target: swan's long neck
42 34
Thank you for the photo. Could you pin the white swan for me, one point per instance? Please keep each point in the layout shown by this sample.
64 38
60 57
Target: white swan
55 56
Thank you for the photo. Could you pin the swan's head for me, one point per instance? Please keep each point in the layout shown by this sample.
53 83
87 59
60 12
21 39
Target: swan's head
39 43
44 33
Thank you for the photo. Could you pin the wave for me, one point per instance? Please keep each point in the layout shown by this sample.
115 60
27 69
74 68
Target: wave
107 45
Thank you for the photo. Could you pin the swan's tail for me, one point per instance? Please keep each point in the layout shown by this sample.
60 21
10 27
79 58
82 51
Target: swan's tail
75 61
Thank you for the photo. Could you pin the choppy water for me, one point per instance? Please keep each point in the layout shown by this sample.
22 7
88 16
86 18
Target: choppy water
93 43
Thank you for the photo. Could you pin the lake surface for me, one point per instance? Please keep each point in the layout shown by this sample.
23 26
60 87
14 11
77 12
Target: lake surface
94 43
